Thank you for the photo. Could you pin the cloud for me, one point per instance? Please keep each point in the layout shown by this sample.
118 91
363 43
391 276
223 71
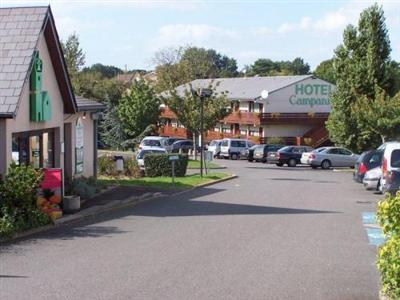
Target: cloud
182 34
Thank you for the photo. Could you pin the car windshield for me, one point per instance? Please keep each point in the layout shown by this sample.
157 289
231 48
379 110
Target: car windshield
142 153
286 149
214 143
169 142
151 143
318 150
225 143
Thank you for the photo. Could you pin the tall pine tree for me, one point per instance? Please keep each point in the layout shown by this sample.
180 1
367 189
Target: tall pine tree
361 66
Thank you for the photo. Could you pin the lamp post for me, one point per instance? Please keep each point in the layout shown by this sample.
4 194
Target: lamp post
202 93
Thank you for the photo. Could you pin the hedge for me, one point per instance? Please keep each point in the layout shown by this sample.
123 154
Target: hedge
160 165
389 253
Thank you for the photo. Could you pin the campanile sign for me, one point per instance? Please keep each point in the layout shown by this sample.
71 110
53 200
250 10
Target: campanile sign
311 94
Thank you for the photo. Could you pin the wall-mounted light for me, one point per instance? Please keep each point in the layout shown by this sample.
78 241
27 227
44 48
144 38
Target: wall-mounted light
84 116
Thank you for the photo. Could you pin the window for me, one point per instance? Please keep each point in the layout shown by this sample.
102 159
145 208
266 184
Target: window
333 151
35 148
343 151
395 159
243 132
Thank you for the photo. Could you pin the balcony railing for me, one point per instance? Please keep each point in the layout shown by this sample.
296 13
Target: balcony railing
243 117
278 118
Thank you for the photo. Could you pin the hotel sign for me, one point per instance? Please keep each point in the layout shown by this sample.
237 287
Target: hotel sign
311 95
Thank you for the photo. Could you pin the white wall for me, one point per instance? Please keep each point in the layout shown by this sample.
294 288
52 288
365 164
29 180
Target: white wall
285 130
22 120
310 95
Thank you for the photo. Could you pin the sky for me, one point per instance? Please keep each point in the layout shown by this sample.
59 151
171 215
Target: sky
128 33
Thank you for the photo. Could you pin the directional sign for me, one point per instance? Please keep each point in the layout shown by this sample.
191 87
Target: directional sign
174 157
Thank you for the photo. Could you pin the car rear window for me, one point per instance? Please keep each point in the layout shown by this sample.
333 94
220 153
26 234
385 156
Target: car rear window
152 143
238 144
213 143
395 159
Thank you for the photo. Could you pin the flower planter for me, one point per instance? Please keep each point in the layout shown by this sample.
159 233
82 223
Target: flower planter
71 204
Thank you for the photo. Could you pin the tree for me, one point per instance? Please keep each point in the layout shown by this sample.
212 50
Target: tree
105 71
361 65
138 108
186 106
179 66
112 132
73 54
380 116
326 71
268 67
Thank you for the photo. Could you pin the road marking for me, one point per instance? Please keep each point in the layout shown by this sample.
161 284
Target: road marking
374 232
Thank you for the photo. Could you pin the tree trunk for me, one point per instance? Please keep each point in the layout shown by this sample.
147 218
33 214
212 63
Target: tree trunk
383 138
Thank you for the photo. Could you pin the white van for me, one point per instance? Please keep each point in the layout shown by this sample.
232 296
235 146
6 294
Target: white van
390 160
232 148
153 141
215 147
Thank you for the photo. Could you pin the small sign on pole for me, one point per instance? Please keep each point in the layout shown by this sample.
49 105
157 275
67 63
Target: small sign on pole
173 159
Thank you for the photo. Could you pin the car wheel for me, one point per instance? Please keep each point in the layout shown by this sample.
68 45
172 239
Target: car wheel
292 163
234 156
326 164
250 160
264 161
279 164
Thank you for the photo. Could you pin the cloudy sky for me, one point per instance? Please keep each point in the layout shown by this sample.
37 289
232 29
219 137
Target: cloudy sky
129 32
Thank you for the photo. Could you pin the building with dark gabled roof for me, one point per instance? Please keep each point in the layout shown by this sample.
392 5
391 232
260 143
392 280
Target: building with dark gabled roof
291 108
42 123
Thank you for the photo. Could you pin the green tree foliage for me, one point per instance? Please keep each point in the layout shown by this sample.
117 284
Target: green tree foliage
326 71
268 67
379 116
179 66
73 54
186 107
105 71
362 68
138 108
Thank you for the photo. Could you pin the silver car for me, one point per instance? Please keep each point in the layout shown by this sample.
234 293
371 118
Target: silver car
372 179
328 157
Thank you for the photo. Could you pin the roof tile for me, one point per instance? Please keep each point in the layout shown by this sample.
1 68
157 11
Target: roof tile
19 32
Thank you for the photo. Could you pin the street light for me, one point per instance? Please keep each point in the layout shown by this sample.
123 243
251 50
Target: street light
202 93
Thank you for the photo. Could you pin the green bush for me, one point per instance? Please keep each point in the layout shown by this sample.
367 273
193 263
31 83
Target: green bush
388 263
131 168
18 193
84 187
388 214
106 166
160 165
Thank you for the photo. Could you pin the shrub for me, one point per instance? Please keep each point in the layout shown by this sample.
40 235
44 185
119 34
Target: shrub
18 194
275 140
106 166
389 266
131 168
388 214
388 263
84 187
160 165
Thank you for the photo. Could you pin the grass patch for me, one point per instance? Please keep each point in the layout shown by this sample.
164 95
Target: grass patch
163 182
195 164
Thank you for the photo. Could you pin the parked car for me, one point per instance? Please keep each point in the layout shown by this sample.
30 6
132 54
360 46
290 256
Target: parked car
182 146
250 152
261 153
232 148
368 160
146 150
372 179
392 183
169 141
289 155
153 141
215 147
328 157
390 164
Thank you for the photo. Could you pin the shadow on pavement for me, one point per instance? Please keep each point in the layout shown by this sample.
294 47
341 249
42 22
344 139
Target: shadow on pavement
12 276
182 205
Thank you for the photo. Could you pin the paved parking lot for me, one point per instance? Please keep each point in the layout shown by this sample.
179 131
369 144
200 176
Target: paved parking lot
272 233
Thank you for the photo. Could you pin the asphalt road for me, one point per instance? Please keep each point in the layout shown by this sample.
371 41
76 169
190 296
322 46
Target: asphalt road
273 233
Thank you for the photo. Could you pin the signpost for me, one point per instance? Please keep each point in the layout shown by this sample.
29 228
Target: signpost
173 158
209 156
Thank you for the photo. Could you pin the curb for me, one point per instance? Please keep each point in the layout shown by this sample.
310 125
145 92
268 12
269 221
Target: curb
93 211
